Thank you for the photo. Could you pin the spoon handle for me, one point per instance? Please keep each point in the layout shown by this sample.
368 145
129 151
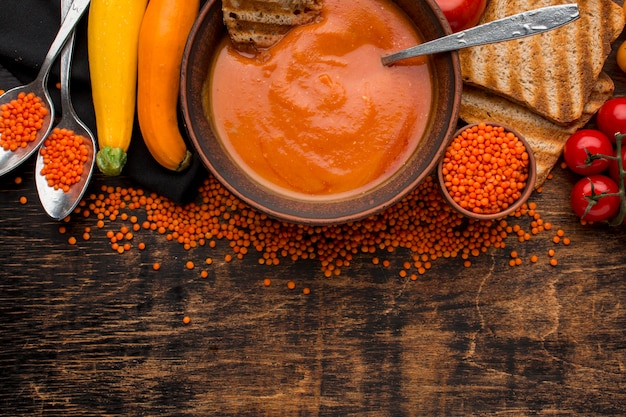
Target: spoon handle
512 27
66 62
76 11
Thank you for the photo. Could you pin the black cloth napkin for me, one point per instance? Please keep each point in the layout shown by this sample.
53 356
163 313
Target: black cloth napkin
27 29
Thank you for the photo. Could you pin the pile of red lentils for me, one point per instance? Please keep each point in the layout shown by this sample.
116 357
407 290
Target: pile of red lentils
20 120
485 169
64 157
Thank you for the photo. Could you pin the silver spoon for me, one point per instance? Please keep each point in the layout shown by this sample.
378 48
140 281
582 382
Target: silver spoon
512 27
11 159
58 203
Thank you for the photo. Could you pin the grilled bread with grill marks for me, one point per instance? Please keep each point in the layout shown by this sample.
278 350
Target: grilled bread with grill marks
552 73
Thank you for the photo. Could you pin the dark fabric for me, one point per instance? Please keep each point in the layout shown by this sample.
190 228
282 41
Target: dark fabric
27 29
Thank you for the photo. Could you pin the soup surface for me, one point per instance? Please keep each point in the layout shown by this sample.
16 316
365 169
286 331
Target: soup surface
318 115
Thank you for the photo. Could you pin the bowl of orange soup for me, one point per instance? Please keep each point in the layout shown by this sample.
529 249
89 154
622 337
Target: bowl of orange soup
315 129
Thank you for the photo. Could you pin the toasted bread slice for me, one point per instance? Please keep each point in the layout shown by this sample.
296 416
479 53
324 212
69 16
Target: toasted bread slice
546 138
552 73
259 24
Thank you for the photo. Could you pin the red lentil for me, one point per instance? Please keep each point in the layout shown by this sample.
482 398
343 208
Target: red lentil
20 120
23 200
186 320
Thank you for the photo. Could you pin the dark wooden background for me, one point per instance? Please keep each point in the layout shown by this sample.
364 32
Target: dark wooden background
85 331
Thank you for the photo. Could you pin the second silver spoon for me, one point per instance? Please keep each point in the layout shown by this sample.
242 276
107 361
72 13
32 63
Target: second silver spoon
58 203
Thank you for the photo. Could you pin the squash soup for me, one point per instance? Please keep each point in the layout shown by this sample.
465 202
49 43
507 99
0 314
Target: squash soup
318 115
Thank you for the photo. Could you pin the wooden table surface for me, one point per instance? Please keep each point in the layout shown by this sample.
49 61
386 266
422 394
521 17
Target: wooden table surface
86 331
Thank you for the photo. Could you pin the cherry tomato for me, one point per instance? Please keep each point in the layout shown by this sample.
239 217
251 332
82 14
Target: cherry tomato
462 14
580 148
613 167
583 198
611 117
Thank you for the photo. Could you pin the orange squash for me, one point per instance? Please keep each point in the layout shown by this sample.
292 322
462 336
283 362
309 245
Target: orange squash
164 30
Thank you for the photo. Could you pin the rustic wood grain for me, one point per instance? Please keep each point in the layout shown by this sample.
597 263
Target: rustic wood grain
85 331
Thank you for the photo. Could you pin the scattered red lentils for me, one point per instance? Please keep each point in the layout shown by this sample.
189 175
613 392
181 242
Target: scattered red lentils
23 200
20 120
267 282
186 320
485 169
18 180
422 223
156 266
291 285
189 265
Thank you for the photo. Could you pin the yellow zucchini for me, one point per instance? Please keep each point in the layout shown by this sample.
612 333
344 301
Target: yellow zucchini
113 35
164 31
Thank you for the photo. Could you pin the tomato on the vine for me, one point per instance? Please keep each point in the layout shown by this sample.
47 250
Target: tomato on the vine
611 117
462 14
590 201
580 149
614 168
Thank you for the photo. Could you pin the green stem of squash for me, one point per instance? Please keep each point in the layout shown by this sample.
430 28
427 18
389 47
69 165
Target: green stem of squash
110 160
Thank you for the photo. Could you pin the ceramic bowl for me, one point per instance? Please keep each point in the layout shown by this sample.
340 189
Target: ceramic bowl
525 194
204 39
